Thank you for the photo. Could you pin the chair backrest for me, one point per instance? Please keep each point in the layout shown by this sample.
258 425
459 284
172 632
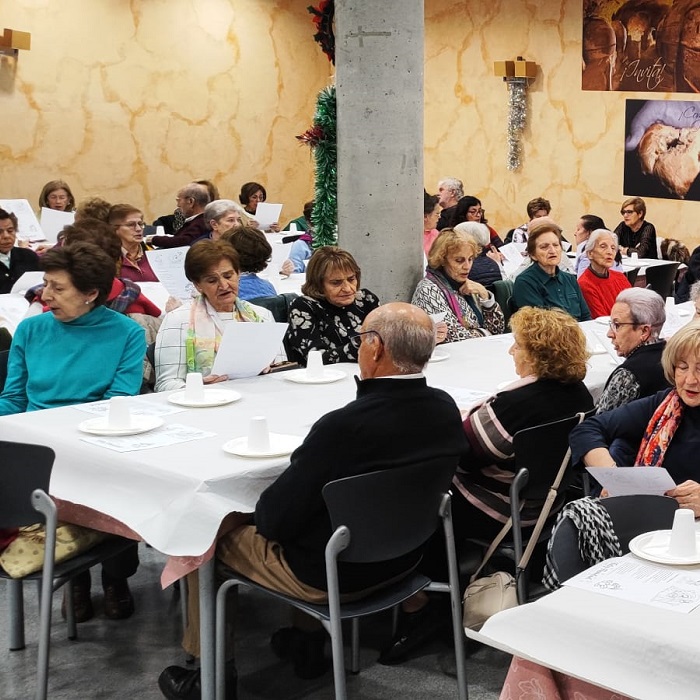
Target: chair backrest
24 468
502 292
278 305
630 515
660 278
632 275
4 355
389 512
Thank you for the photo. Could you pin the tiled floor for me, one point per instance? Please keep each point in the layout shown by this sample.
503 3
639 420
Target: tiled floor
123 659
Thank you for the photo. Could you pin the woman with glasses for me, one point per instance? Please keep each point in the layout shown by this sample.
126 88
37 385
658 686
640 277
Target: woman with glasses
56 195
543 284
128 223
329 314
599 283
634 233
189 337
661 430
252 193
636 320
469 208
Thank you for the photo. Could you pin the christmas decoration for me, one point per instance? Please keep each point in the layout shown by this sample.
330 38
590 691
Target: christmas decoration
323 19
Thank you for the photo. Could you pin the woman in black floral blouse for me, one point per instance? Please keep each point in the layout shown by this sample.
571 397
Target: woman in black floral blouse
331 311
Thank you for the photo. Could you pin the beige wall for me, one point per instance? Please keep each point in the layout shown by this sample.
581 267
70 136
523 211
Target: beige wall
573 145
132 100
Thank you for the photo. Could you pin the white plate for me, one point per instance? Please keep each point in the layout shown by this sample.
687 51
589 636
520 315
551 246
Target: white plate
653 546
603 320
280 445
212 397
139 424
300 377
439 356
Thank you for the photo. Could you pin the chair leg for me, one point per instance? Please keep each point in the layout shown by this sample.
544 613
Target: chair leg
355 659
70 611
183 600
395 611
522 585
42 674
220 638
15 601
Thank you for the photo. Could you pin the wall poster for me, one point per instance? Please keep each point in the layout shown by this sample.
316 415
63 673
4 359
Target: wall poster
641 45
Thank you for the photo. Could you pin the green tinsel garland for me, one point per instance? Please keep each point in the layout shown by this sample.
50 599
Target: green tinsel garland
322 139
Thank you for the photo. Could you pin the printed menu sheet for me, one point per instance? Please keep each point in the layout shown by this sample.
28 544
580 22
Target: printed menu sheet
160 437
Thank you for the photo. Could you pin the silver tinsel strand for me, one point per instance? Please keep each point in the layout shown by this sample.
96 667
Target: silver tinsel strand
517 117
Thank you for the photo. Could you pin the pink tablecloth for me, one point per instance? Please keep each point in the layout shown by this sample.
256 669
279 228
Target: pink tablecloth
530 681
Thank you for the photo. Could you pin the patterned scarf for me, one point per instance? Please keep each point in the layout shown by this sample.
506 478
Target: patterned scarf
205 331
443 282
660 431
126 297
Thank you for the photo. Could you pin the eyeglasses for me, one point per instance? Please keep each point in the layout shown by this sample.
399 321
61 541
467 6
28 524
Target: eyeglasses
624 212
356 340
615 325
134 224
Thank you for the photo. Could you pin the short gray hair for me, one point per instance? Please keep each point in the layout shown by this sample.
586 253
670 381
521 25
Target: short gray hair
219 208
454 185
409 344
647 308
479 232
599 233
694 291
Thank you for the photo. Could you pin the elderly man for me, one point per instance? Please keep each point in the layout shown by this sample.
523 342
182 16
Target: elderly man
450 191
396 419
191 200
14 262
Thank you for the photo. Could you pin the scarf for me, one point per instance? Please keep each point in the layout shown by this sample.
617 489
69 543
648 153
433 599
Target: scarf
125 298
443 282
660 431
205 331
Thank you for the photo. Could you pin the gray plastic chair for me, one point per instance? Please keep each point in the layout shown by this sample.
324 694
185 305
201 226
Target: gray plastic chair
660 278
376 516
630 515
24 485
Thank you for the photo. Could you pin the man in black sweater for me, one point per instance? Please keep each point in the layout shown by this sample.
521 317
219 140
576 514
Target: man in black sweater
395 421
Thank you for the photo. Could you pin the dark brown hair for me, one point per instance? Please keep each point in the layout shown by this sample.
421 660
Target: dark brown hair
252 247
249 189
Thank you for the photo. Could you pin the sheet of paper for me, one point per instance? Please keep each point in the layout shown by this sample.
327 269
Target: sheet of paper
101 408
674 322
593 344
53 221
630 481
155 292
169 266
280 253
513 257
161 437
464 398
28 224
629 578
13 307
247 348
267 214
603 340
27 281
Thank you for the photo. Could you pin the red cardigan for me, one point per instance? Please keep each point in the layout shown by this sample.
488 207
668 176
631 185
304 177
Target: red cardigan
600 292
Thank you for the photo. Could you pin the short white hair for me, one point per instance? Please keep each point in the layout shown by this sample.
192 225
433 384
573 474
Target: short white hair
479 232
599 233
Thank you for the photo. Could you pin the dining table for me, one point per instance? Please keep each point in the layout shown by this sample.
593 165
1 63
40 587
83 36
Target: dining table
175 495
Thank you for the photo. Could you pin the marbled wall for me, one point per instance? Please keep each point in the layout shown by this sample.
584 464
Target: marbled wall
573 144
131 100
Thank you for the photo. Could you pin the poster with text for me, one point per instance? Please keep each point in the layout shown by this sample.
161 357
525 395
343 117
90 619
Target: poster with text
662 149
641 45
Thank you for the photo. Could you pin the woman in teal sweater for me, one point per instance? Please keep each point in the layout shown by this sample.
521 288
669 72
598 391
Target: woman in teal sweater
79 351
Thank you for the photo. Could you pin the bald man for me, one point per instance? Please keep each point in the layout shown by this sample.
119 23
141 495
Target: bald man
191 201
395 420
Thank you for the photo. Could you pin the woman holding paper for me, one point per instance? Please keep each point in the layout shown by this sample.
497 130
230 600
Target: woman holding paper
662 430
56 195
470 309
189 336
252 193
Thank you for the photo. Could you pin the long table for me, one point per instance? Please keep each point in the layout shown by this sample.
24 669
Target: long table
175 497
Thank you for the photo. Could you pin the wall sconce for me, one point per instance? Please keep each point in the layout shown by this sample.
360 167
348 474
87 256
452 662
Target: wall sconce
517 74
12 41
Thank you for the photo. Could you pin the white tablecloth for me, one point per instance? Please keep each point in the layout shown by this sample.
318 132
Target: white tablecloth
175 497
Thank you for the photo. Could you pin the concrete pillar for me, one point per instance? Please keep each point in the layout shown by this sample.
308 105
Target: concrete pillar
379 82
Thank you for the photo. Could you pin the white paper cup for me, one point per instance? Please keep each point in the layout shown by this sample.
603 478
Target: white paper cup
682 542
258 435
670 304
292 228
194 387
634 256
118 415
314 364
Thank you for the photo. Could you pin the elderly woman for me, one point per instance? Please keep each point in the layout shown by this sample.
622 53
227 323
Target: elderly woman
599 283
549 354
57 195
634 233
584 228
252 193
80 351
14 261
662 430
222 215
189 336
486 268
127 221
543 284
331 310
470 309
636 320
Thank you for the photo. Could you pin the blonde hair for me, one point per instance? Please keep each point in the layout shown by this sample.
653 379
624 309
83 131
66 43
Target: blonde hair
554 343
684 342
447 242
